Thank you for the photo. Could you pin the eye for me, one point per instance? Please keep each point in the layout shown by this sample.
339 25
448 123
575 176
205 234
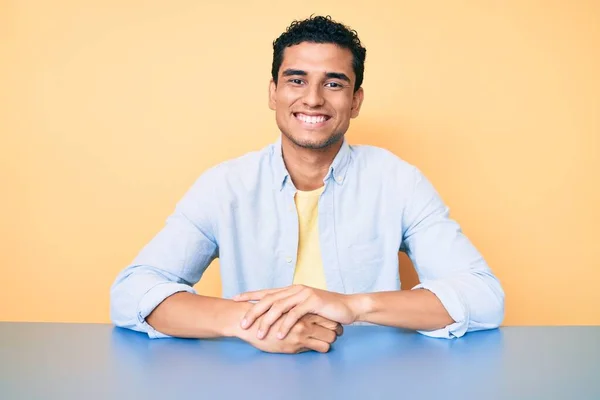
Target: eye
334 85
296 81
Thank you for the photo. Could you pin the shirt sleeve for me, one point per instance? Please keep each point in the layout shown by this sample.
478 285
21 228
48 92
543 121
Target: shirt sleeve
173 261
449 265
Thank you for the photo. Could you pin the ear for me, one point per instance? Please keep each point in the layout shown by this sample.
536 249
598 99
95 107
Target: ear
357 100
272 98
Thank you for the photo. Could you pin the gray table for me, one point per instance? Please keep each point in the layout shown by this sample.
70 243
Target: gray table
87 361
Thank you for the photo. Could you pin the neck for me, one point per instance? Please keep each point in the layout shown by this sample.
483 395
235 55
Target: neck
308 167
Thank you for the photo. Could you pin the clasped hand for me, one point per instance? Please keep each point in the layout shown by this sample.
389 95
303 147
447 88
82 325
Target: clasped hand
281 309
311 332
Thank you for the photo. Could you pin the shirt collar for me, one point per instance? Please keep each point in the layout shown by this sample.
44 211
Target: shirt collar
337 170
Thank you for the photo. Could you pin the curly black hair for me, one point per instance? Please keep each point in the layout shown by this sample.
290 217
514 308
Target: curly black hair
320 29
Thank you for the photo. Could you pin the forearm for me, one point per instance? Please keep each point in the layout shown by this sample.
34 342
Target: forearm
193 316
411 309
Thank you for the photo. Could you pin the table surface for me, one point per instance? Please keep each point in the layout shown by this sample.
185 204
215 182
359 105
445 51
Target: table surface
95 361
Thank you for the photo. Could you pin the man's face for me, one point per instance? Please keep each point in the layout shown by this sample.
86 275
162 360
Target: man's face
314 98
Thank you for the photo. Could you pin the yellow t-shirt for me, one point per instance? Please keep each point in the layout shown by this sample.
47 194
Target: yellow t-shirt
309 266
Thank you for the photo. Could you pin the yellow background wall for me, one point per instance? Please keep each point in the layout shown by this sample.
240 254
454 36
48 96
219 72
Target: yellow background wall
109 110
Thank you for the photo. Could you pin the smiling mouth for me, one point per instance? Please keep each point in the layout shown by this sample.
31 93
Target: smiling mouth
312 120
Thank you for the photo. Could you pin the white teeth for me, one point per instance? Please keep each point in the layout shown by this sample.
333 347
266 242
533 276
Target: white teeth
311 119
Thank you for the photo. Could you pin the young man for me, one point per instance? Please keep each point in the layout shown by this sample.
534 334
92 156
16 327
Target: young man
308 230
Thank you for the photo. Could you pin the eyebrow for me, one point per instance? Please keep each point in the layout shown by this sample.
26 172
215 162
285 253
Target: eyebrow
290 72
338 75
334 75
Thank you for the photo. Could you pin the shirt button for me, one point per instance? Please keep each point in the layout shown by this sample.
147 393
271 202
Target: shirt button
339 179
288 259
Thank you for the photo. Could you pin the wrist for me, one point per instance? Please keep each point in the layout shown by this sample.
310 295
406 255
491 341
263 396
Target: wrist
360 305
233 318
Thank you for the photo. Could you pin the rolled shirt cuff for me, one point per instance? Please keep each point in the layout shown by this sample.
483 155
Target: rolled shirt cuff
453 303
152 299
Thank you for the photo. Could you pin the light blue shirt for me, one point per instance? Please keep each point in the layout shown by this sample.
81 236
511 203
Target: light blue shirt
373 206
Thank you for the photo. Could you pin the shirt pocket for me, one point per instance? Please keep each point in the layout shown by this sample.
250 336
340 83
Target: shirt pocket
362 263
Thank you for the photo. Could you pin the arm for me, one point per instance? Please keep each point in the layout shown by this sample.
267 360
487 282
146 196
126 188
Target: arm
155 294
416 309
171 263
192 316
448 265
410 309
457 293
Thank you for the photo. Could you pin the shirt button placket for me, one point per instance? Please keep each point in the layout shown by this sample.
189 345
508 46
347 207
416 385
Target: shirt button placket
291 242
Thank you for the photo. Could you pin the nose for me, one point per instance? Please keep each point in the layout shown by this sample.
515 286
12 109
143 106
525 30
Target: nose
313 96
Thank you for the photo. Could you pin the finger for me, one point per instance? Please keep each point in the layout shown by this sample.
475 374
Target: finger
261 294
324 322
322 334
263 306
279 308
317 345
339 330
255 295
293 315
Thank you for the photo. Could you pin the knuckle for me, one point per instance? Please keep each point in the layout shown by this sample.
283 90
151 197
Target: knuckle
301 328
297 328
267 298
303 289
